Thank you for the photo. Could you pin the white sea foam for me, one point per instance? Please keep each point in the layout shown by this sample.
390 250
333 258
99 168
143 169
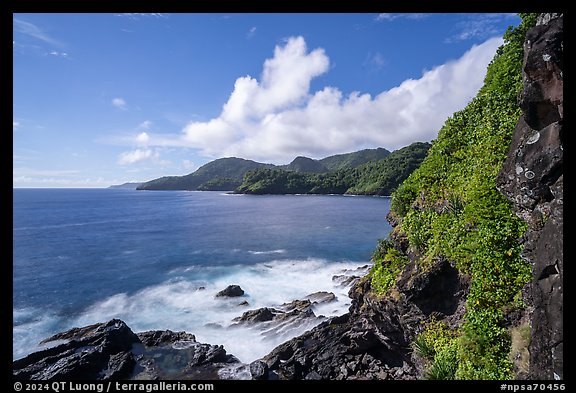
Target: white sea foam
186 303
279 251
181 304
30 327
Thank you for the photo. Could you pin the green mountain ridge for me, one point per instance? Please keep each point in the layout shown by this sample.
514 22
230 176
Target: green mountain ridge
306 165
223 174
227 174
371 178
353 160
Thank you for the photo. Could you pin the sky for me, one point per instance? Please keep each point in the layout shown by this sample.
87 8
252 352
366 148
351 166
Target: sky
102 99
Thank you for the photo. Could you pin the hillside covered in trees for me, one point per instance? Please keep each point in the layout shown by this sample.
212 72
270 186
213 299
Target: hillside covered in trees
369 172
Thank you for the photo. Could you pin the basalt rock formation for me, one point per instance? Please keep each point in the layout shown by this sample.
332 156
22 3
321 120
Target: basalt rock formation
532 178
112 350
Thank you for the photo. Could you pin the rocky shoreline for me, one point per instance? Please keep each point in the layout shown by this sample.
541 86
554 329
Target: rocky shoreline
371 341
111 350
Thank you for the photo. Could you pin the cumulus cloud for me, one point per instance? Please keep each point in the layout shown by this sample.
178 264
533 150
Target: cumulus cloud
143 138
134 156
119 103
277 117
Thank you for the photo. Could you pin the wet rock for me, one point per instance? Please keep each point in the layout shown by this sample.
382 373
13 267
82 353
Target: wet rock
156 338
231 291
253 316
344 280
112 351
321 297
296 305
259 370
93 352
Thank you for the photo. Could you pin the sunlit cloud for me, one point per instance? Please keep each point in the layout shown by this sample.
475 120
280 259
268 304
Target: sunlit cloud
134 156
119 103
277 117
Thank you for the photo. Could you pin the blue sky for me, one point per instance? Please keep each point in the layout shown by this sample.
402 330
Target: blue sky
103 99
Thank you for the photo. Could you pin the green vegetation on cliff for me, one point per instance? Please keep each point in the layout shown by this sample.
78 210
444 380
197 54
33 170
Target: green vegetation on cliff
450 208
371 178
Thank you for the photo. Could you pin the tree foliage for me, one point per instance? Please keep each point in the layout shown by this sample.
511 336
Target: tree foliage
379 177
449 207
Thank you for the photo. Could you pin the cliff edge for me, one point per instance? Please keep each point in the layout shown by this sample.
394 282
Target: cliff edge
532 179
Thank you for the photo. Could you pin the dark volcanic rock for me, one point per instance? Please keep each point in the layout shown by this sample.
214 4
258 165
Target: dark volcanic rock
258 315
297 304
259 370
94 352
373 340
532 178
112 351
231 291
155 338
344 280
321 297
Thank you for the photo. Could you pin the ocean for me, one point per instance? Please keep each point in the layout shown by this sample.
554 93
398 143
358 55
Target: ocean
155 259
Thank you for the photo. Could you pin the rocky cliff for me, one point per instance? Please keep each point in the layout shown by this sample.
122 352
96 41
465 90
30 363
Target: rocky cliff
532 178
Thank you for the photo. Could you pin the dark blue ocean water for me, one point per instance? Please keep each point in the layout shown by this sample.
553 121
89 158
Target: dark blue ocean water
83 256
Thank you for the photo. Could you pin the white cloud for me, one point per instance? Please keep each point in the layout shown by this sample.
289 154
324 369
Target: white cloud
391 17
277 117
145 125
134 156
285 84
188 165
138 15
32 172
374 61
143 138
58 54
119 103
252 32
479 26
15 125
